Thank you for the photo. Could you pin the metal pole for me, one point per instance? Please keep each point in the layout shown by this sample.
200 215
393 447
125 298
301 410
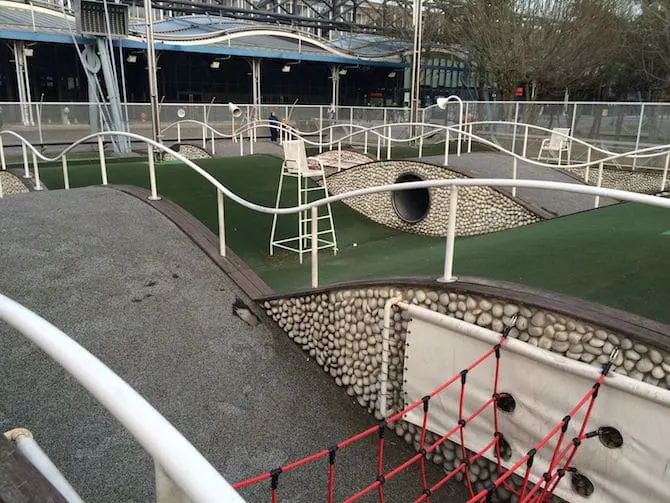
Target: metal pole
639 133
3 163
103 165
514 174
222 223
665 171
470 139
365 147
525 142
339 156
446 148
38 186
451 236
388 145
152 174
151 66
516 120
178 132
26 168
600 181
588 165
416 61
315 247
572 132
66 176
320 130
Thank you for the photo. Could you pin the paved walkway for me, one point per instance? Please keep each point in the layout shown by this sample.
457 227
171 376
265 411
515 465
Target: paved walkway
494 165
130 287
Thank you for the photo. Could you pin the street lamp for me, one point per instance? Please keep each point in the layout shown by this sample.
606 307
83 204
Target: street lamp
151 67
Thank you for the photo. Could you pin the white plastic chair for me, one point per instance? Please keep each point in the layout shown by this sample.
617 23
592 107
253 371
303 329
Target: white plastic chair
297 162
555 145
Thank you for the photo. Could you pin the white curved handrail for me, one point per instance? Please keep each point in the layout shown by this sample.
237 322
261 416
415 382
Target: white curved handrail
430 129
466 182
185 466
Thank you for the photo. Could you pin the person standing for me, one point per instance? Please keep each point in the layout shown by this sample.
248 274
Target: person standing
274 126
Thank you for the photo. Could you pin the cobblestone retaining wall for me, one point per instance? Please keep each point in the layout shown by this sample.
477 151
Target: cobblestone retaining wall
480 209
342 331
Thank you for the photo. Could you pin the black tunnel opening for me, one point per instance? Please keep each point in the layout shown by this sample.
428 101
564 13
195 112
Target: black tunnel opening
411 205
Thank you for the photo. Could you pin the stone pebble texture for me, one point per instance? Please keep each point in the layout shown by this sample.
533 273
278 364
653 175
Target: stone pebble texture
344 158
188 151
342 331
10 184
480 209
643 181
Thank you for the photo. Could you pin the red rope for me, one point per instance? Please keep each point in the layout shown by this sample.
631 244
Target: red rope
538 494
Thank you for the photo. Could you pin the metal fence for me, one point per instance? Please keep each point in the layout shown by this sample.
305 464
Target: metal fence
615 126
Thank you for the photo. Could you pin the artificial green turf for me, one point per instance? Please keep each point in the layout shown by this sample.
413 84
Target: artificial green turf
615 255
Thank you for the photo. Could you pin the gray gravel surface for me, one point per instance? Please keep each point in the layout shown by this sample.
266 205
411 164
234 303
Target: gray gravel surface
130 287
494 165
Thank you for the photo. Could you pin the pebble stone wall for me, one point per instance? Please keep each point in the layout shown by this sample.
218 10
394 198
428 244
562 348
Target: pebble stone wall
349 158
480 209
11 184
342 331
188 151
641 181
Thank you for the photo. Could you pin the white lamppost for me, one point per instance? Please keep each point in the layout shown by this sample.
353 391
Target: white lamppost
415 93
151 67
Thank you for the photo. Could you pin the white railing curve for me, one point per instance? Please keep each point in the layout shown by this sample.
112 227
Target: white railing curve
172 453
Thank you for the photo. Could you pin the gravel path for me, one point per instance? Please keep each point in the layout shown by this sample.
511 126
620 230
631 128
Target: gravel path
130 287
493 165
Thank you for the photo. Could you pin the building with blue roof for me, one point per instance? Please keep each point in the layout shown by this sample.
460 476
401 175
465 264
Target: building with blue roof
203 56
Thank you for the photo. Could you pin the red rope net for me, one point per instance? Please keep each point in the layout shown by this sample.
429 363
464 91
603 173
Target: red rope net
561 459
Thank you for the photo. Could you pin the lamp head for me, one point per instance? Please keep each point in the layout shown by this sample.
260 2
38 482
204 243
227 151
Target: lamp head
234 110
442 103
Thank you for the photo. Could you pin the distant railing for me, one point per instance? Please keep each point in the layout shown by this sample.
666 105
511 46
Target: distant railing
179 466
627 124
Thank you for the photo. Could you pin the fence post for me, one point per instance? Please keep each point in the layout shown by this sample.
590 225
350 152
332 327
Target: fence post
204 137
572 132
3 163
588 164
66 176
315 247
339 156
388 145
525 142
516 120
103 163
451 236
26 168
152 174
330 143
213 146
599 184
514 175
365 146
379 146
665 171
178 132
446 148
222 223
639 133
470 140
241 140
36 169
351 124
320 130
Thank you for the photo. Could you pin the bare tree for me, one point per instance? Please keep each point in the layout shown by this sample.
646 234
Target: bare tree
555 43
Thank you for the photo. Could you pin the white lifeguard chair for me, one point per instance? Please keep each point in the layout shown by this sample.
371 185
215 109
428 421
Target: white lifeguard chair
304 170
555 145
